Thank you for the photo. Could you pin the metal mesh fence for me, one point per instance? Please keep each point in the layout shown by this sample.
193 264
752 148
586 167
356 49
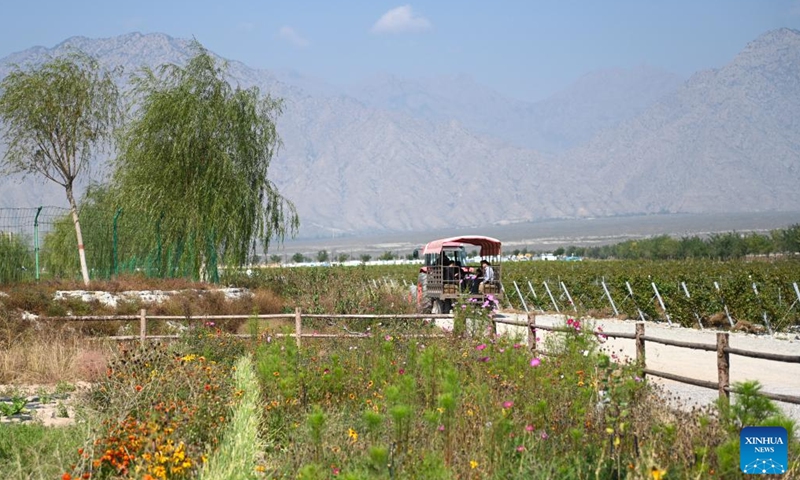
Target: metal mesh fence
41 243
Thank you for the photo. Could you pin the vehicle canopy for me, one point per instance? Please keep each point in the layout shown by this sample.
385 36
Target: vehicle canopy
490 247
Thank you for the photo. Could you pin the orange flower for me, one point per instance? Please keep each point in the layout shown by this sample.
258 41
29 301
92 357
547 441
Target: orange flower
138 388
66 476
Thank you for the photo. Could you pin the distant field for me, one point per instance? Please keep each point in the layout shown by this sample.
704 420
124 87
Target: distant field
551 234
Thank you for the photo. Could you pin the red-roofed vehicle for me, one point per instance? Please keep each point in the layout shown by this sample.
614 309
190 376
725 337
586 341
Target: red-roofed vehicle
447 275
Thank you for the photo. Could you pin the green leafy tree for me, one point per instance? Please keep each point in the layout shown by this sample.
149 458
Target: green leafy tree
343 257
56 116
196 154
275 258
298 258
322 256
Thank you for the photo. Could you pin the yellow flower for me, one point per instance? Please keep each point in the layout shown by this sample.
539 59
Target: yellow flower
470 412
473 464
657 473
352 434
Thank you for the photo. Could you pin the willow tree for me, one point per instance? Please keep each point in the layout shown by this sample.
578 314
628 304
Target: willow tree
56 116
195 156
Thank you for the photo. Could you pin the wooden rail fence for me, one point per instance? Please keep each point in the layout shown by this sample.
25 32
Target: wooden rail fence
722 347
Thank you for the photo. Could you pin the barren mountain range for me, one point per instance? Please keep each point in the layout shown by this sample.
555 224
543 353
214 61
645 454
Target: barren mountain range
396 154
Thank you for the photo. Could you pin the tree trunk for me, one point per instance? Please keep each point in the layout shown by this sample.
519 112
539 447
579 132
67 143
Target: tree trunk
81 253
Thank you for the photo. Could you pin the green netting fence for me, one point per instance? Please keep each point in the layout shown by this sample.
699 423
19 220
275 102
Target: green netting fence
40 242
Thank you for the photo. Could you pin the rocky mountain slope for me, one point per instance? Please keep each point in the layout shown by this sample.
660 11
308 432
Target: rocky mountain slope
399 155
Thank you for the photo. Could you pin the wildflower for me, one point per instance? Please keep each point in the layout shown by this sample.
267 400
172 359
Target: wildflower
210 324
388 338
441 428
535 362
508 404
483 359
66 476
657 473
473 464
326 371
402 371
637 379
481 346
544 435
521 448
586 353
517 346
529 428
352 434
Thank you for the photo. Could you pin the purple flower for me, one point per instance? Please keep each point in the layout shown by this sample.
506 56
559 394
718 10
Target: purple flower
535 362
483 359
508 404
481 346
544 435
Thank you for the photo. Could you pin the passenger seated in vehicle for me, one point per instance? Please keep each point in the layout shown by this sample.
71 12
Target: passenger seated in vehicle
485 276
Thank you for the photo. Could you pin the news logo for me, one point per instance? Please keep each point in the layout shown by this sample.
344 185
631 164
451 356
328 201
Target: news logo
763 450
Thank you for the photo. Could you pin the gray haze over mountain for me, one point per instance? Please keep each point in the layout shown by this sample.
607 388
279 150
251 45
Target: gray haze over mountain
398 154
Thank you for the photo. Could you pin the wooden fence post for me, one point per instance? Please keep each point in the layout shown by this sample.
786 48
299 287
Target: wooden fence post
723 366
142 326
298 326
532 332
640 352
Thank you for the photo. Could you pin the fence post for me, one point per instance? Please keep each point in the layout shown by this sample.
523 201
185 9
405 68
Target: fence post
723 366
142 326
298 325
640 352
36 241
532 333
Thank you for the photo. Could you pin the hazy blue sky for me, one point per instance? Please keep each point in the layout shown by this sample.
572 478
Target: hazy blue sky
524 49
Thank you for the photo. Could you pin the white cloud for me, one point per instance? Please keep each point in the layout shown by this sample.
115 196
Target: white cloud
291 36
400 20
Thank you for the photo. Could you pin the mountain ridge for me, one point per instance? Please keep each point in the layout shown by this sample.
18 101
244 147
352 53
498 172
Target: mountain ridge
457 154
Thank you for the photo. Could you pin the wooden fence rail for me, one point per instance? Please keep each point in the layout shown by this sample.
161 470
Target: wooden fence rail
722 385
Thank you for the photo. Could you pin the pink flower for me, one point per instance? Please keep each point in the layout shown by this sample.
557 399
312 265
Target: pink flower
521 448
544 435
388 338
517 345
508 404
481 346
441 428
529 428
402 371
535 362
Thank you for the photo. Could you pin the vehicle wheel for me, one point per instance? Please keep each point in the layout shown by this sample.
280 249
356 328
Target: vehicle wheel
436 308
448 306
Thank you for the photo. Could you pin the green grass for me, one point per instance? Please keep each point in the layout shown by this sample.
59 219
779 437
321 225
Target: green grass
236 457
33 451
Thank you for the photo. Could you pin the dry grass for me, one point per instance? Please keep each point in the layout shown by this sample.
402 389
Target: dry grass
50 355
